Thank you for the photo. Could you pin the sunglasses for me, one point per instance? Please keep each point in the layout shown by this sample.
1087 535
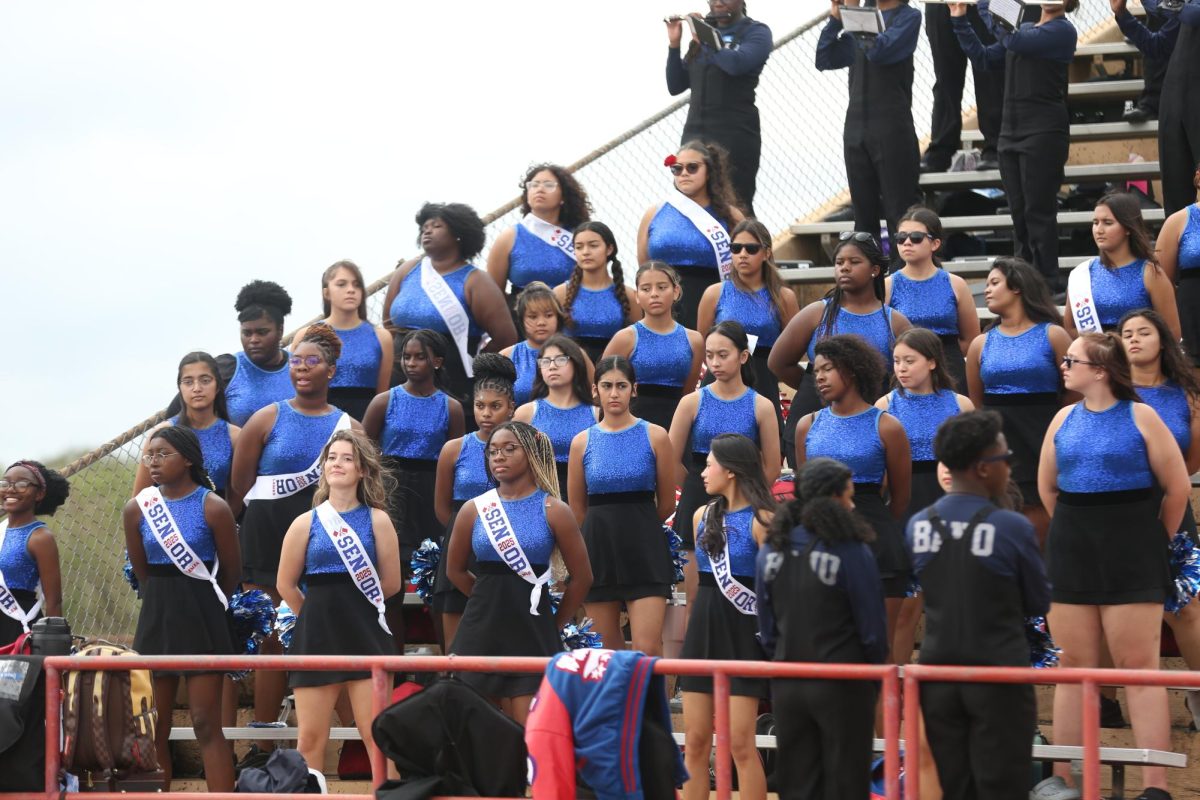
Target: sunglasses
752 249
916 237
857 236
692 167
1068 362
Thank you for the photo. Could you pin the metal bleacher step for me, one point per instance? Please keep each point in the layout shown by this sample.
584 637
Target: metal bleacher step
1091 132
1121 48
983 222
1076 173
1092 89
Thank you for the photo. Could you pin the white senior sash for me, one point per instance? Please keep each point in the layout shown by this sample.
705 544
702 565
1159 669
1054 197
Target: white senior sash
273 487
1079 289
552 235
447 305
8 603
504 541
166 532
350 549
743 599
708 225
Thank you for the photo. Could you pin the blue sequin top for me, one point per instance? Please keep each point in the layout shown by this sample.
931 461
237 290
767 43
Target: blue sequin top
1101 451
217 450
620 461
321 557
1172 404
920 415
875 327
412 309
524 358
19 567
562 424
415 427
754 310
596 314
253 387
743 550
928 303
531 260
673 238
854 441
1021 364
715 416
1116 290
1189 240
358 365
470 469
528 519
295 440
188 512
661 359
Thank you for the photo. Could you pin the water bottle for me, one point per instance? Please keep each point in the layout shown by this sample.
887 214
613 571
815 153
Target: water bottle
51 636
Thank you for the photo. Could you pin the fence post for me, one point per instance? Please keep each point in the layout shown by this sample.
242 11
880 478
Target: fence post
53 733
379 701
721 713
1090 697
891 733
912 732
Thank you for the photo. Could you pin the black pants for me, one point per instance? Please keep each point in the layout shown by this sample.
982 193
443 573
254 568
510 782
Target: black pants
980 735
949 70
1179 125
1153 70
1032 172
745 149
882 173
825 733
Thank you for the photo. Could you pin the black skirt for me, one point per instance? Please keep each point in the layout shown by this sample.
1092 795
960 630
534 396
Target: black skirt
656 404
717 631
766 383
925 488
410 504
497 622
264 525
1187 298
352 399
1108 548
10 629
954 362
560 468
447 599
1026 417
630 555
180 616
891 554
691 497
336 620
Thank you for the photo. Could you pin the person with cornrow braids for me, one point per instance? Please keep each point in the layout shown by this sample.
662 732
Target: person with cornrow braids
182 543
597 304
28 553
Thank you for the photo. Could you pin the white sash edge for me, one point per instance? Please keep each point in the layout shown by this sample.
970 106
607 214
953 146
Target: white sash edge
8 603
447 305
742 599
180 552
499 532
552 235
273 487
1079 289
366 575
709 226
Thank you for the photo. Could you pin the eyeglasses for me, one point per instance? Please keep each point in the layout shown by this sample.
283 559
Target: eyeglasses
156 458
203 380
308 361
916 237
553 361
1068 362
549 186
692 167
508 451
752 249
19 486
858 236
1006 457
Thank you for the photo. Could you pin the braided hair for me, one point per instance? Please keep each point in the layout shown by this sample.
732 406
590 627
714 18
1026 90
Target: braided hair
372 490
539 451
263 299
54 486
739 455
618 273
816 507
433 345
870 249
186 443
495 373
220 406
326 339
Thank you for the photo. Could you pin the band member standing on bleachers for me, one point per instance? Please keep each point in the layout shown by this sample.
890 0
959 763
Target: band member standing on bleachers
1178 253
595 299
539 316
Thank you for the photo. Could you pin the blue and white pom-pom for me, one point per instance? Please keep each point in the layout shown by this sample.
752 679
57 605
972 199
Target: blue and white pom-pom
581 636
252 614
1185 566
678 555
424 565
285 623
130 576
1043 653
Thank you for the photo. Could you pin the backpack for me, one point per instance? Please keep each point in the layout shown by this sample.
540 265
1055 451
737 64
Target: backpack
109 717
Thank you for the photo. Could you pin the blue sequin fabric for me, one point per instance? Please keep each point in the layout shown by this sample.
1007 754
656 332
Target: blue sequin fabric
1101 451
661 359
920 415
528 518
188 512
742 547
620 461
321 557
415 427
853 440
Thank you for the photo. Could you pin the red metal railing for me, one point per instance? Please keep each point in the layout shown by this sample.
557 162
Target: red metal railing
720 671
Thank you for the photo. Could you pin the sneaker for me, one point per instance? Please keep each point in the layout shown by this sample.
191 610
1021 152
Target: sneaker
1110 713
1153 793
1054 788
1138 114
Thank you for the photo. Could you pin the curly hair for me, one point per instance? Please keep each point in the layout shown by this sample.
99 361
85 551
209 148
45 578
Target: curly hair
734 332
56 489
932 223
618 274
576 207
721 195
373 486
187 444
1107 352
865 243
770 270
326 340
962 440
538 292
1029 285
462 221
220 405
927 345
330 273
579 377
263 299
818 483
856 361
433 345
739 455
494 373
1175 365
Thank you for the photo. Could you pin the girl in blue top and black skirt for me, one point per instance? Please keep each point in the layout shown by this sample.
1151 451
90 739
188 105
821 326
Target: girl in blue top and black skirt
508 607
184 613
345 552
722 623
621 491
665 355
1107 553
596 303
364 368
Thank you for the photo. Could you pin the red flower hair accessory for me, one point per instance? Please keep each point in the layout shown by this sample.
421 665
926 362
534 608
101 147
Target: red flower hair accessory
670 160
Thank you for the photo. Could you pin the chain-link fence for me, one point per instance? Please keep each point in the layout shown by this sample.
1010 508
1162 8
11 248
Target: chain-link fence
802 173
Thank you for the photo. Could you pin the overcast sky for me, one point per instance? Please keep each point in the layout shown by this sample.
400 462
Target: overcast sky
156 156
